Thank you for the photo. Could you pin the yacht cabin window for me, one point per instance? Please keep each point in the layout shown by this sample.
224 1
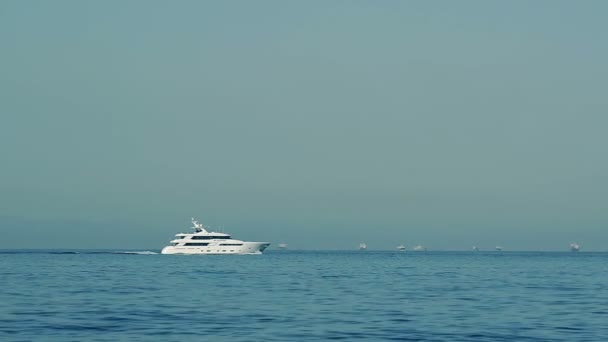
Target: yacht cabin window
209 237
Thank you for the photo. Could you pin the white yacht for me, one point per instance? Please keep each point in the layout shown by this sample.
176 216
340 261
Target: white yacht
206 242
498 248
362 246
282 246
575 247
475 249
401 247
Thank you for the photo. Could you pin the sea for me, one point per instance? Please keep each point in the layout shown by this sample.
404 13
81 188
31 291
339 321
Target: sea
86 295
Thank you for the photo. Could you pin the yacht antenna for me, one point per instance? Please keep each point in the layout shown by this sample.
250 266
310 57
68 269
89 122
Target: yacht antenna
198 227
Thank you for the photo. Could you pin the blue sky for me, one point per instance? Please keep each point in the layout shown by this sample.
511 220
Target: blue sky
445 123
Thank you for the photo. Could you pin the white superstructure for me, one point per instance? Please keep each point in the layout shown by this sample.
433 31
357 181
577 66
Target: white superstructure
575 247
362 246
401 247
420 248
206 242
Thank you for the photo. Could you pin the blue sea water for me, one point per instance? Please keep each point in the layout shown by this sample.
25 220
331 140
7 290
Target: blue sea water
303 296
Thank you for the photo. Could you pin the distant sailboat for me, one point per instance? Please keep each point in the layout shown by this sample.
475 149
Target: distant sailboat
575 247
362 246
401 247
420 248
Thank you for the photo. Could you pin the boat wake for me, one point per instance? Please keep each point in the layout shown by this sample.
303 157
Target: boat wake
137 252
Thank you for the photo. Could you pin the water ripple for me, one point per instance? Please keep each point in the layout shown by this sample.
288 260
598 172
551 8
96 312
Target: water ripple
303 296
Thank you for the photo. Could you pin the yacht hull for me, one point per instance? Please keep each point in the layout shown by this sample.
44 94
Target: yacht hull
215 249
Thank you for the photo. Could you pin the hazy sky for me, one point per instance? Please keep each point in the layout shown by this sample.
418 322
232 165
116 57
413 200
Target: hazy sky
316 123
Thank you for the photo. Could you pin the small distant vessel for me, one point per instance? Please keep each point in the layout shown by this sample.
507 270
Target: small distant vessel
420 248
498 248
282 246
206 242
362 246
401 247
575 247
475 249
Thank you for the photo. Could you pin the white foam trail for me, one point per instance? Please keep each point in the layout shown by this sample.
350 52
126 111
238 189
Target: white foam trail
138 252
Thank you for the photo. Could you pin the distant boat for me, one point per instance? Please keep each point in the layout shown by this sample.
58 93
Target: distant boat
498 248
362 246
575 247
475 249
401 247
282 246
420 248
